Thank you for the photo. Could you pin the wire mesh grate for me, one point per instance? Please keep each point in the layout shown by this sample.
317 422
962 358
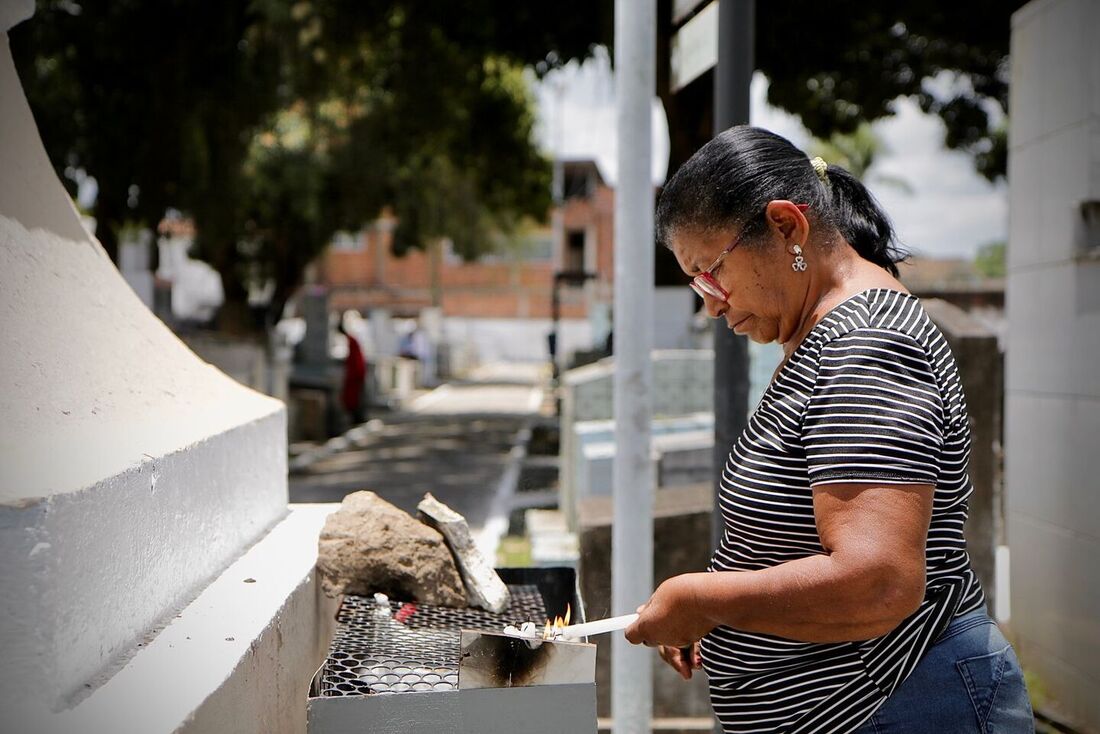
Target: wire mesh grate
398 647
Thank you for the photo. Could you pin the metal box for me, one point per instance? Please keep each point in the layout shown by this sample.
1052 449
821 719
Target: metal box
395 671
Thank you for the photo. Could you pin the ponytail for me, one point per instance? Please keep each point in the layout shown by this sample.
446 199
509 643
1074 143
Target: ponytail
860 220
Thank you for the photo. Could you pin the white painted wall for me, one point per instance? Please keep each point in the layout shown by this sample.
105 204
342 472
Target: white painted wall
514 340
1052 392
131 472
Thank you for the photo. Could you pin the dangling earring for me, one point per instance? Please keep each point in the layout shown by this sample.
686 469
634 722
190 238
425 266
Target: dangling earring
799 264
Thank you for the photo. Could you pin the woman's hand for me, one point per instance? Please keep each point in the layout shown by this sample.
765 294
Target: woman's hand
671 616
683 663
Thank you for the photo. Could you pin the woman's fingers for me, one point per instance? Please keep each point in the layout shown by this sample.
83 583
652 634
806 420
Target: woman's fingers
675 658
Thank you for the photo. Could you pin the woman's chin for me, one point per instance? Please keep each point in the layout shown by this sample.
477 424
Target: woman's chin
761 333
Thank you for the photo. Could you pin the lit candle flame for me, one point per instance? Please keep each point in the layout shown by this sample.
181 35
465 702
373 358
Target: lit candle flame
553 629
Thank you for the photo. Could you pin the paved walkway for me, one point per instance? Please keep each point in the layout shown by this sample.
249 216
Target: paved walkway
457 442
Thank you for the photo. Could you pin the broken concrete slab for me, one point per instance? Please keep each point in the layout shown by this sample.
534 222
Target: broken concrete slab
369 546
483 585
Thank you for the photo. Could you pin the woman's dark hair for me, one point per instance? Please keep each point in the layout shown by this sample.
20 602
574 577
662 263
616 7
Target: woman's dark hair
731 179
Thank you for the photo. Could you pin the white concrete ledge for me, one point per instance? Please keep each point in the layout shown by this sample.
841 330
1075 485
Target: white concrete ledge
87 574
131 472
237 659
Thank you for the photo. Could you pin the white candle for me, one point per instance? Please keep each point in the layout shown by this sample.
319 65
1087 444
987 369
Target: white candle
598 627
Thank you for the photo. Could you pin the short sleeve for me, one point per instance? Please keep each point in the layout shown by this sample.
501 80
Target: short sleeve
875 413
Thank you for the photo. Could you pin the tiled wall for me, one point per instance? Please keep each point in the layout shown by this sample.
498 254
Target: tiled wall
1052 367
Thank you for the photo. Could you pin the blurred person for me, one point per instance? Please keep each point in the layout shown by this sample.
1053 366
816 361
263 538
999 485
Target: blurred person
361 328
841 597
355 375
411 344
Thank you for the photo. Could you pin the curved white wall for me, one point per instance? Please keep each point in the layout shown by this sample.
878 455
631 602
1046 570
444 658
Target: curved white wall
131 472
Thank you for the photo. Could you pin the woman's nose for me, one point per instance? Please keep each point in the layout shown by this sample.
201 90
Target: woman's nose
715 307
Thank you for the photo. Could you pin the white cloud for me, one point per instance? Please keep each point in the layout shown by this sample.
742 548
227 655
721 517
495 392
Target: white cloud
953 210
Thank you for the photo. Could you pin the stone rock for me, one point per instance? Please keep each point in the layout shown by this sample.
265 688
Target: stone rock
484 586
369 546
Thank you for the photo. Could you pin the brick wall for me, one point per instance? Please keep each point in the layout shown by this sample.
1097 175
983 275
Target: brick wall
371 276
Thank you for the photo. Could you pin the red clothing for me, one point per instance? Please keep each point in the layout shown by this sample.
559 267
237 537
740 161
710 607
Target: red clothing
355 372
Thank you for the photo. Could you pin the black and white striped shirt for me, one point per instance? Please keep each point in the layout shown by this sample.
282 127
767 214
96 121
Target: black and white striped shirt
871 394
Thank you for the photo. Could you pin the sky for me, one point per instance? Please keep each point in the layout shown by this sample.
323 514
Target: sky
950 212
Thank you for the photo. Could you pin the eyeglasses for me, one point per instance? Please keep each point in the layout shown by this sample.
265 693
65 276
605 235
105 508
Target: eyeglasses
705 284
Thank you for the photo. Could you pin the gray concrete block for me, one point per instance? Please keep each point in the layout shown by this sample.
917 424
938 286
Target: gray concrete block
1065 162
1024 203
681 532
1068 41
980 366
1051 176
1025 49
1053 63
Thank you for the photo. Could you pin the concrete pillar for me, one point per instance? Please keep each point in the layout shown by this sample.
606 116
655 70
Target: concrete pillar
1052 384
981 371
632 474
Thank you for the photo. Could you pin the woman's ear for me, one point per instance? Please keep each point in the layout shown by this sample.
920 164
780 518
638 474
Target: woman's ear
787 221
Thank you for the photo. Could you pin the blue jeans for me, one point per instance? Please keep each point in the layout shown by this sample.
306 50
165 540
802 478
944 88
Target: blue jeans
968 681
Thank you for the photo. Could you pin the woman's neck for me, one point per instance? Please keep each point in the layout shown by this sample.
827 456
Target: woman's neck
839 275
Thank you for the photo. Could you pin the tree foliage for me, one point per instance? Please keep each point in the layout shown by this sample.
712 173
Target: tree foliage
989 261
276 122
841 63
145 97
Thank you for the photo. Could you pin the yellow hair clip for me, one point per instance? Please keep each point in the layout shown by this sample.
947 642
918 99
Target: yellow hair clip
820 168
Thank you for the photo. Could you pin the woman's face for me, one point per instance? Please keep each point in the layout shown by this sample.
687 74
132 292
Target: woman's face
753 275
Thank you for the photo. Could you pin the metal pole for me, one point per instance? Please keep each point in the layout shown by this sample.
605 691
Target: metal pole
632 472
557 217
732 77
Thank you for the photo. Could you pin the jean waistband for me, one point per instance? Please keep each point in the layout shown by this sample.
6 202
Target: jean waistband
963 622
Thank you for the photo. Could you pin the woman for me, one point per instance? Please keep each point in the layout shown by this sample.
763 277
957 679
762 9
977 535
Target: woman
841 596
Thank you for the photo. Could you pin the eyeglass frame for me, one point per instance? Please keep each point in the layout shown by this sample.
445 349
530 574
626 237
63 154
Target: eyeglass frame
706 279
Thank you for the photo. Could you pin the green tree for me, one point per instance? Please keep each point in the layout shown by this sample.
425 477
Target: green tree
415 104
841 63
144 96
990 260
162 103
838 64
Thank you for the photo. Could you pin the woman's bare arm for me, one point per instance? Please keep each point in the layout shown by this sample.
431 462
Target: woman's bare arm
870 578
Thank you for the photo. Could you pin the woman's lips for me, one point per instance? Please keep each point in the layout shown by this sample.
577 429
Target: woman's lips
733 326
